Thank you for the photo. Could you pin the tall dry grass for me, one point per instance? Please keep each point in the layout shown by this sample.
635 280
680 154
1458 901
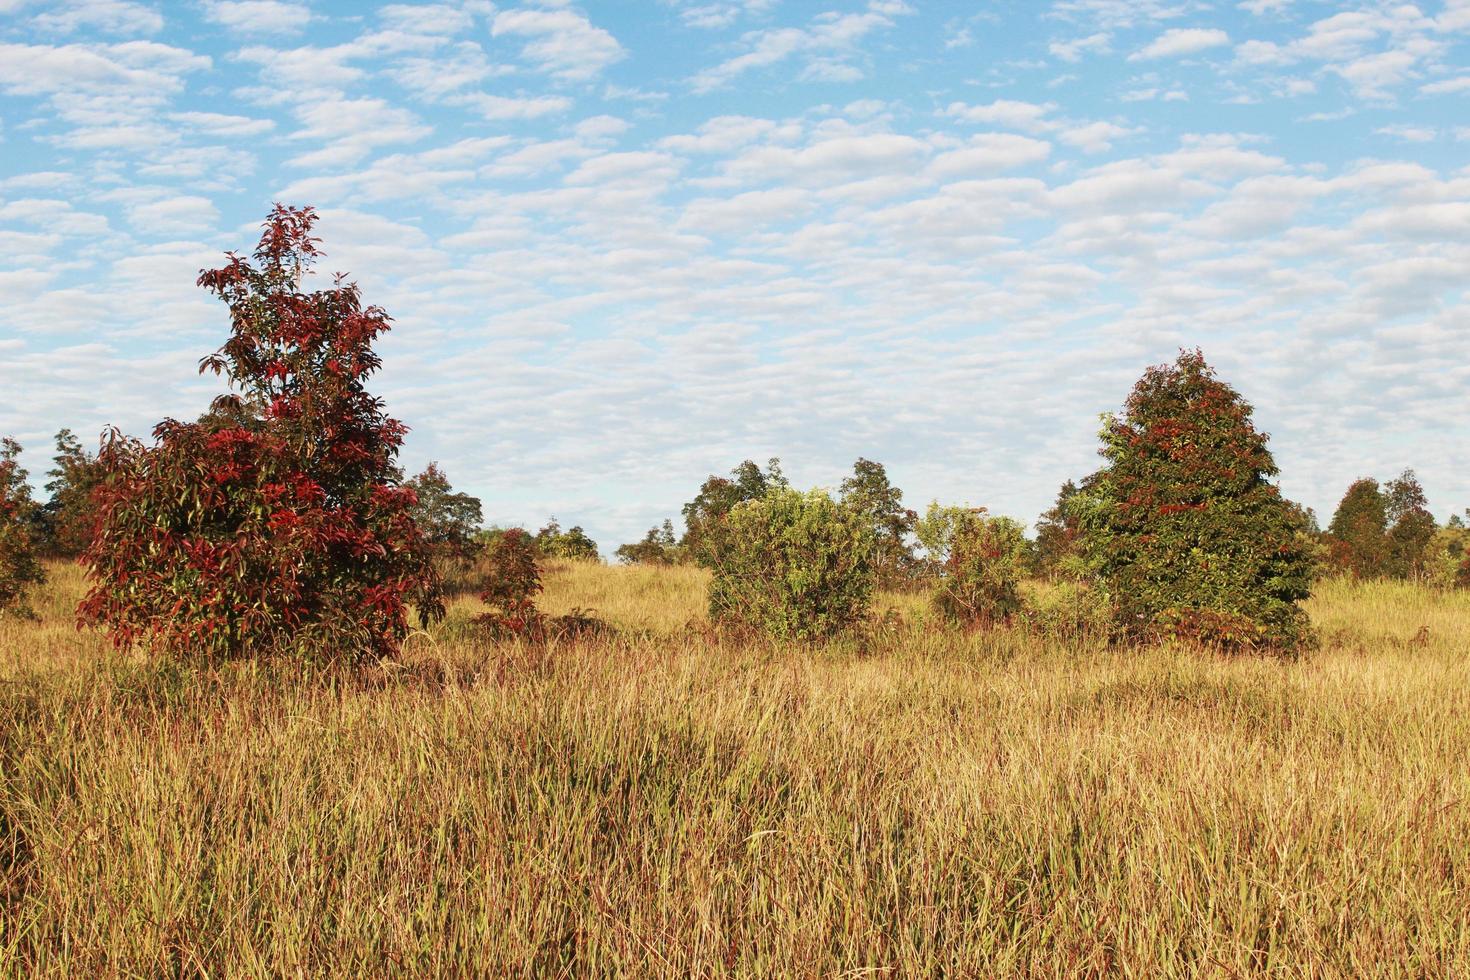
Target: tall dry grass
664 803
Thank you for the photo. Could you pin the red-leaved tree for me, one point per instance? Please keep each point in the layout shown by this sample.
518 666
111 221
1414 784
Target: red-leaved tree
275 523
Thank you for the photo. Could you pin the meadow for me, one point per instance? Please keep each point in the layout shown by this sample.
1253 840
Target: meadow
669 801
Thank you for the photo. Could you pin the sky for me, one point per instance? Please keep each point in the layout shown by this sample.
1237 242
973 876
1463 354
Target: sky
629 244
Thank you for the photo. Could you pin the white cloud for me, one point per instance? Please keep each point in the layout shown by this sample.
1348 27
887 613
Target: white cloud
1179 41
258 16
1074 49
1447 86
1096 137
829 43
1011 113
563 43
111 16
223 125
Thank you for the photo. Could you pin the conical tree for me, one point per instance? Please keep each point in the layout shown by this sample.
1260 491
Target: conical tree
275 523
1183 524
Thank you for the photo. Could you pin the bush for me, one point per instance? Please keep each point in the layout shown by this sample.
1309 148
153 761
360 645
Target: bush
794 565
658 547
19 569
705 515
1183 526
572 545
979 561
275 522
510 579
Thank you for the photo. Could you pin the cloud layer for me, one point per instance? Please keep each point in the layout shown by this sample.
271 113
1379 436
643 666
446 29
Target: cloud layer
629 247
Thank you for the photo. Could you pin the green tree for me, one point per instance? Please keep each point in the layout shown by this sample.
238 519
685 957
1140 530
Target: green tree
1411 527
69 513
19 569
658 547
704 516
1183 525
447 519
794 565
978 561
572 544
1057 534
869 492
1359 531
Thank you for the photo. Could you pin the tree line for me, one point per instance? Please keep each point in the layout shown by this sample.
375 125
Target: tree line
280 522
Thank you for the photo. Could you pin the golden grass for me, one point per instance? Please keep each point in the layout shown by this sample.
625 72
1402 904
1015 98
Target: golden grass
668 804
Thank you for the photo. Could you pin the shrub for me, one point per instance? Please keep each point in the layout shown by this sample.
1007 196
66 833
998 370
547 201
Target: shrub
658 547
573 545
510 579
1184 527
705 515
978 562
794 565
275 522
19 569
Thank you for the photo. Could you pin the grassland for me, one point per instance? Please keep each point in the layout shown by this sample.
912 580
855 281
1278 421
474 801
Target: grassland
667 803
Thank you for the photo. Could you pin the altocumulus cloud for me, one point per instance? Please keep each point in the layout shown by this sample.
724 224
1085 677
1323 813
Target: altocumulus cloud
630 245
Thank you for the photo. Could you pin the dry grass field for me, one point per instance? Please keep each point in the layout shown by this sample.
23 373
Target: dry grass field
917 803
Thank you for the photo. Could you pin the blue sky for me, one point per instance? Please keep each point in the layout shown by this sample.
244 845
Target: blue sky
630 244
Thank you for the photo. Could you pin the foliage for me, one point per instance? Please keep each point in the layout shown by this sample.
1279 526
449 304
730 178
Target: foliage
794 565
1056 548
510 579
704 516
868 492
1183 526
448 520
573 544
68 516
275 523
658 547
978 560
1447 557
1358 533
19 569
1411 527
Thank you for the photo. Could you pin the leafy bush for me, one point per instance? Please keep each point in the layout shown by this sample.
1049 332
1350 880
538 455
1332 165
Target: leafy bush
658 547
794 565
275 522
1184 527
510 580
573 544
978 562
704 516
19 569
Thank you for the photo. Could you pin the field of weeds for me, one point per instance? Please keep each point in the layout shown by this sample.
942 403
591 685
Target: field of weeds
661 801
